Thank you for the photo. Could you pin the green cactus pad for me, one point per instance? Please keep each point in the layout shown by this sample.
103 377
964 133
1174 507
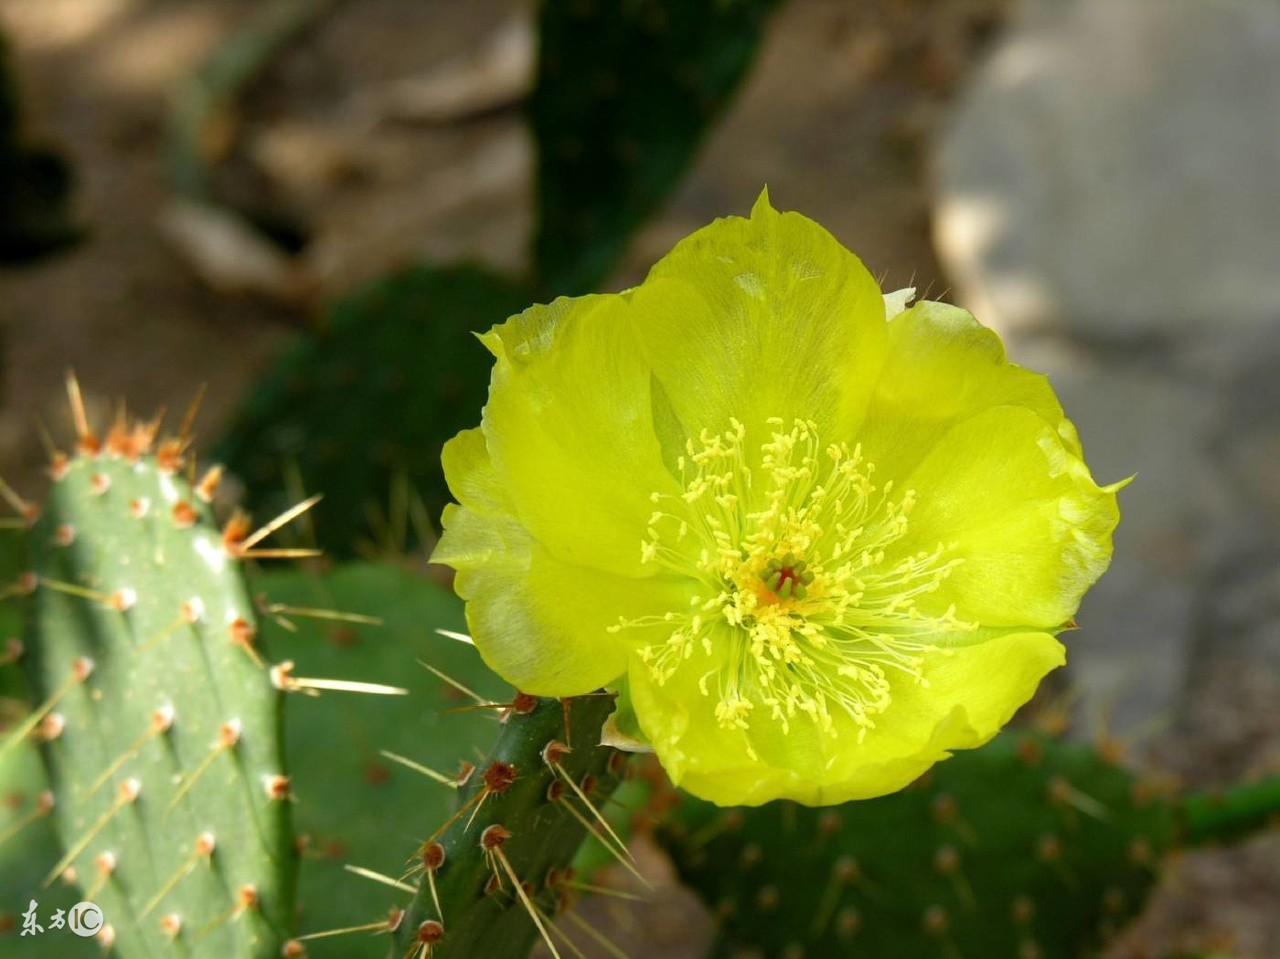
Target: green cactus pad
625 94
160 724
1027 847
27 847
356 805
12 685
394 373
519 817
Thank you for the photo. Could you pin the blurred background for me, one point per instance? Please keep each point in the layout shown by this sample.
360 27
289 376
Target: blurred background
275 199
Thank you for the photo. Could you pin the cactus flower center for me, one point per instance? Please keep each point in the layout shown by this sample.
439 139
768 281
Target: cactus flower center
803 602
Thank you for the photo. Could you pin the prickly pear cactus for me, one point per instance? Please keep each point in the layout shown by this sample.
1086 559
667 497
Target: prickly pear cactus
159 722
494 876
625 94
362 765
1029 848
394 373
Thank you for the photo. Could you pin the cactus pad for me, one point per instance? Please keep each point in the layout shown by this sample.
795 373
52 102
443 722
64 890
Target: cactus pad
357 805
494 875
394 373
28 846
159 722
1029 847
625 94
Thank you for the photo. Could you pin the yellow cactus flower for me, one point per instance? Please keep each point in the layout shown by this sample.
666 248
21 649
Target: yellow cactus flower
814 538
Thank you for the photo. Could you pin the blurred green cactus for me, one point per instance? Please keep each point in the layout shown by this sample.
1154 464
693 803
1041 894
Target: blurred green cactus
395 371
1029 847
626 92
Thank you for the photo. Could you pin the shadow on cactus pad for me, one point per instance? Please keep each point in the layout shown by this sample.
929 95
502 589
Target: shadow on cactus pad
626 93
357 805
28 844
394 373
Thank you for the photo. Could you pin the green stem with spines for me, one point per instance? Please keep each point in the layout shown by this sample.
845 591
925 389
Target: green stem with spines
1228 814
522 786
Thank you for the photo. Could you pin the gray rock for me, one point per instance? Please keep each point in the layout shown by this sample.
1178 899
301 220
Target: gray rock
1131 657
1111 175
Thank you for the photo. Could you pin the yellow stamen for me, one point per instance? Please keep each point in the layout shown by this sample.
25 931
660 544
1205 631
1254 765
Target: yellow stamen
809 602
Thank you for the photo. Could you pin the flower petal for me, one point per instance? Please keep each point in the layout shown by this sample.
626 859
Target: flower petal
762 317
469 471
484 530
540 623
944 366
972 692
569 426
535 640
1030 526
